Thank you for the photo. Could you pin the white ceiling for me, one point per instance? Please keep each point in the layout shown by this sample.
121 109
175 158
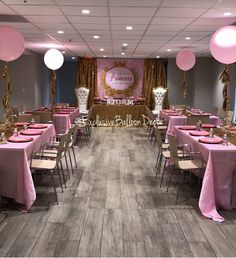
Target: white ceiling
158 25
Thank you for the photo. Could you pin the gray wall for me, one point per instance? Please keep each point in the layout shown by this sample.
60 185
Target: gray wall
28 76
205 89
66 82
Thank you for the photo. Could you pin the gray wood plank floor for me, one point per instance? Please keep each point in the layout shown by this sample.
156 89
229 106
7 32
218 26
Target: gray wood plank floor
113 207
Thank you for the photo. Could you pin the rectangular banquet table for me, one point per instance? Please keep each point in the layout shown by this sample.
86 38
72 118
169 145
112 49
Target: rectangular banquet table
219 179
182 120
62 122
15 175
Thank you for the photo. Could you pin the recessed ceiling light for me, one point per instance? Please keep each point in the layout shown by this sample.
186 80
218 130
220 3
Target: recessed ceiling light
157 56
122 53
101 49
187 38
125 44
85 11
73 57
104 56
168 50
129 27
63 52
60 32
227 13
96 37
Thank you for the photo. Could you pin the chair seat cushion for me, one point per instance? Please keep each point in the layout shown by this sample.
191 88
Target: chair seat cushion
156 112
165 146
190 164
41 164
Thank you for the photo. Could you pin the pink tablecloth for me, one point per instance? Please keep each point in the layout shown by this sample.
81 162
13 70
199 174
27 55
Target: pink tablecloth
62 122
15 175
219 178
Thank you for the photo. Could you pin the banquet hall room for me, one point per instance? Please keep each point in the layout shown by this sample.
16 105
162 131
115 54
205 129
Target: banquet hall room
117 128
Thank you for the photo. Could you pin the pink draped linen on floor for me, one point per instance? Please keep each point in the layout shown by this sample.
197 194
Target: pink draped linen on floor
62 122
219 179
15 176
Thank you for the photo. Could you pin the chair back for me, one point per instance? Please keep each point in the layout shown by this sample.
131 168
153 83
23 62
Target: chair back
158 139
14 111
69 138
214 111
149 114
173 148
61 105
74 134
82 94
192 120
28 118
229 117
61 147
44 116
159 96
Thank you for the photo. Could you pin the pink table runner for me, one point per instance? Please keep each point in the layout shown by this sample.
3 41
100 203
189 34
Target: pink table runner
15 176
217 187
62 122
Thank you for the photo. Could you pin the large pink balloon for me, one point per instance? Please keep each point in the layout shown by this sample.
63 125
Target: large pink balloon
223 45
11 44
185 59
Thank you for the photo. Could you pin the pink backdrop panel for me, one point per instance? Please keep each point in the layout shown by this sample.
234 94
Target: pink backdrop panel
105 65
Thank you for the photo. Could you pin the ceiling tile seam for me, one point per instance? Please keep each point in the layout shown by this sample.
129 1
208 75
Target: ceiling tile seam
207 9
65 16
38 28
152 18
110 27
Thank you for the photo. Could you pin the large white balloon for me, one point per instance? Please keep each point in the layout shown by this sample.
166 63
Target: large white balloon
53 59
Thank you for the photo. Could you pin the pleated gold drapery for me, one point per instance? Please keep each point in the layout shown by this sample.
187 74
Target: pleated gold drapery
87 76
154 75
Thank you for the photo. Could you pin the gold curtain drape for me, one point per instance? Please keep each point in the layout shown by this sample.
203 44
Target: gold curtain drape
154 75
87 76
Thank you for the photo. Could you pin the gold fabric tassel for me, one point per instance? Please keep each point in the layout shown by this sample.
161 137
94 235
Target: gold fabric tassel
224 78
53 87
184 85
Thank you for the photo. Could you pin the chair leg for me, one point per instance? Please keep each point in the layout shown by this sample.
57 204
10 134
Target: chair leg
87 134
67 166
159 164
178 192
163 172
73 151
59 175
171 174
54 187
149 132
158 155
63 174
72 169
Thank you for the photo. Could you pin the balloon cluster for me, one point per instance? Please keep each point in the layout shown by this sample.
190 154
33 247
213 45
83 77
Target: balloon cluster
222 48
